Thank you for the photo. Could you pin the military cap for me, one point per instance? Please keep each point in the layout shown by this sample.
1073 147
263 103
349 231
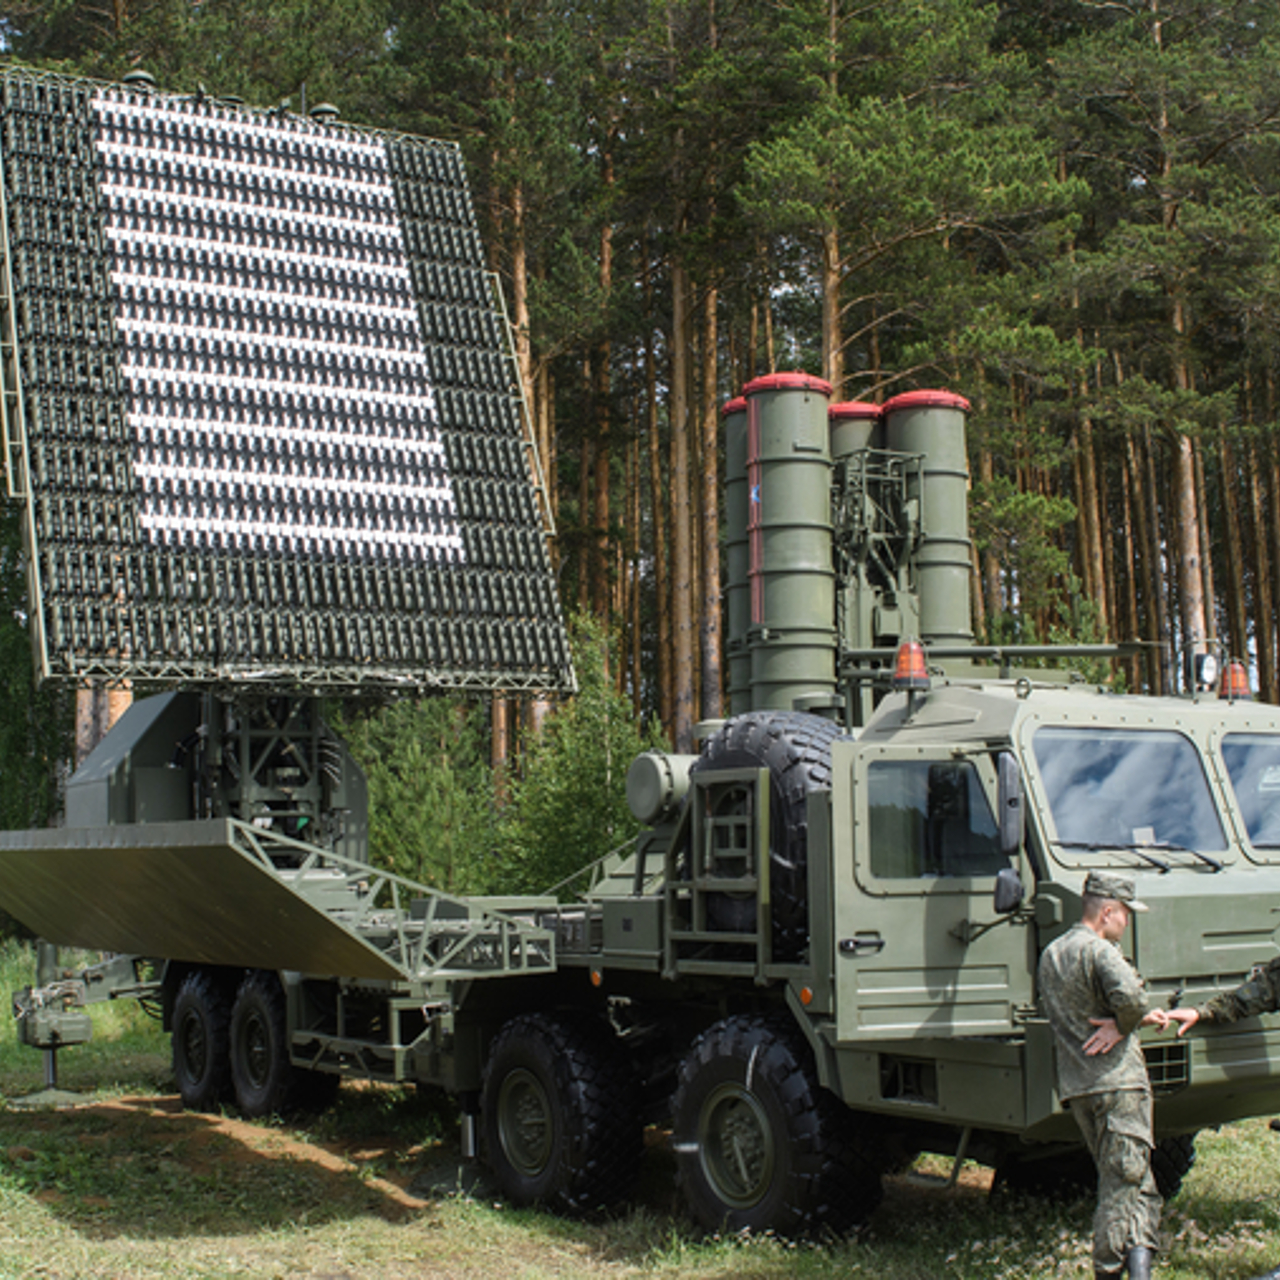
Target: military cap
1106 884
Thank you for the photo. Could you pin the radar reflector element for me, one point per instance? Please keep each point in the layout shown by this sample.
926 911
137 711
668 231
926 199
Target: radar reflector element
260 402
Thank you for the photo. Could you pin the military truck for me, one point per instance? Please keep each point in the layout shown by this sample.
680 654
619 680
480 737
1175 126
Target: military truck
817 958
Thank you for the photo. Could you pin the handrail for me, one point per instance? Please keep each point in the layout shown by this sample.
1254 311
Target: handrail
427 934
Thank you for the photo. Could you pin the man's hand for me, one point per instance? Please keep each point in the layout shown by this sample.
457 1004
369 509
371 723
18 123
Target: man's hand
1185 1018
1105 1038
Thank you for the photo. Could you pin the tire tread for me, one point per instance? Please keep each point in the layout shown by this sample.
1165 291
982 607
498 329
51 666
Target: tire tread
597 1158
833 1181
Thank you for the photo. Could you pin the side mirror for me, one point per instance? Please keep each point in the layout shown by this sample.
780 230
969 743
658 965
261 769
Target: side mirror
1013 810
1008 894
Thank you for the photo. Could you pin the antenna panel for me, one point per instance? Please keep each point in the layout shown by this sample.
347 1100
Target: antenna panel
260 402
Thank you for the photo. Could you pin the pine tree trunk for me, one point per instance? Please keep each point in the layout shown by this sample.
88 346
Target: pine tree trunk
1110 579
1153 567
991 581
601 559
709 632
633 611
832 339
1236 622
1129 546
586 521
1190 577
1271 528
1095 578
1190 561
520 295
682 583
657 494
545 401
602 399
1264 618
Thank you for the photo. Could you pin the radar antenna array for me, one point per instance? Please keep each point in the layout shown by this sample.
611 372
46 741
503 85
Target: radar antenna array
260 402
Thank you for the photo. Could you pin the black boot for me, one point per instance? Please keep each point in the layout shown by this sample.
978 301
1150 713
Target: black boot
1271 1275
1139 1263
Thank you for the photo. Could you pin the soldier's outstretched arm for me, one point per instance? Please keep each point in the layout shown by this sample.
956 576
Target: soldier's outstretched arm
1260 994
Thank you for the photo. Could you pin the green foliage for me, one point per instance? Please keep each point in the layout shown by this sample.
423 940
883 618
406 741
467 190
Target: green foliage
261 50
1019 527
569 806
441 815
432 815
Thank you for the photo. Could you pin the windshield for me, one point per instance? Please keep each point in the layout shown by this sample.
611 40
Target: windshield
1127 788
1253 764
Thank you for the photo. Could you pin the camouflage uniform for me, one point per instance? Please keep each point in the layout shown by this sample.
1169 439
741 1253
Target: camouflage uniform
1260 994
1081 976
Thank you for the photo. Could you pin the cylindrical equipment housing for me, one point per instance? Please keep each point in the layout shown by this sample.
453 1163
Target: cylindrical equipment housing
657 782
932 423
855 425
737 593
790 574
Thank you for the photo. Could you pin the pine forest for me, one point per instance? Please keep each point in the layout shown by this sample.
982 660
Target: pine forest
1067 211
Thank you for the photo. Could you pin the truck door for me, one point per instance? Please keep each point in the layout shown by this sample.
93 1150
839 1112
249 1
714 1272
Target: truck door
920 952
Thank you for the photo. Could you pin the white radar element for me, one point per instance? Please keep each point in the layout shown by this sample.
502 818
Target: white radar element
274 365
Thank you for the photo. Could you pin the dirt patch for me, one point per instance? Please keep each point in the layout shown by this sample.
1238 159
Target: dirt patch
197 1142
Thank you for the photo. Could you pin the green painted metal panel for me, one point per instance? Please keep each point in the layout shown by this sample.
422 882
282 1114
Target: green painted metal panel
183 891
933 424
792 581
737 558
855 426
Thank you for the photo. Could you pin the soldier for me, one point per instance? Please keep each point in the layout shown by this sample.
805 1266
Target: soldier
1260 993
1095 1003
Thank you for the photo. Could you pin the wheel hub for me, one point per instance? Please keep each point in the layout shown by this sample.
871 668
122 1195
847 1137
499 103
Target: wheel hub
525 1122
737 1145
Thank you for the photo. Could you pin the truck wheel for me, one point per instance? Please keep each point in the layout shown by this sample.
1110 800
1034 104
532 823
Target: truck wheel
796 749
760 1145
1171 1161
260 1068
560 1123
202 1042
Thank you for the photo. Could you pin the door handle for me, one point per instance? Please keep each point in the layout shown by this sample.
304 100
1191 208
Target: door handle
861 944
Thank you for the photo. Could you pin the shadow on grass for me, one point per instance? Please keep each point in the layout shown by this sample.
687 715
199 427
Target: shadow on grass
145 1168
140 1168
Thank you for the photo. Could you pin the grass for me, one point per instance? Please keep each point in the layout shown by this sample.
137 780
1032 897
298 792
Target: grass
128 1185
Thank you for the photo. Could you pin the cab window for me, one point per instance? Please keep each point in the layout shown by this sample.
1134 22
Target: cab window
1253 764
930 818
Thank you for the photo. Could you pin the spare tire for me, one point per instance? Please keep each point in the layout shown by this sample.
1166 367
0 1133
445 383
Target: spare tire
796 749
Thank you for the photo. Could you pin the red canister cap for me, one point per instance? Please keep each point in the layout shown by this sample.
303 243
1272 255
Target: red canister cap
787 382
927 400
855 409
